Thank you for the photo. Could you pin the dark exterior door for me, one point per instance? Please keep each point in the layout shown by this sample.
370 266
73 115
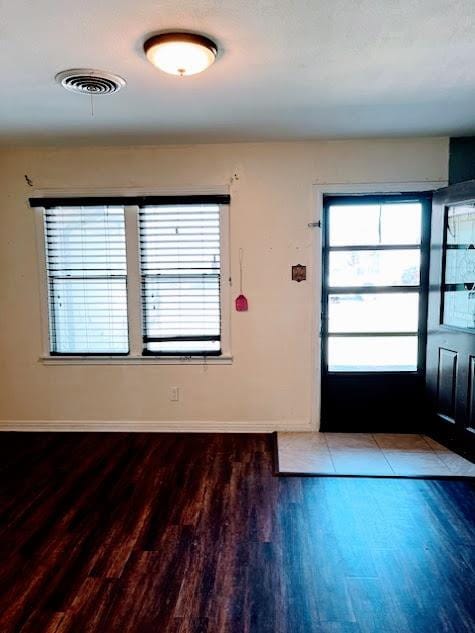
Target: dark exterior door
374 312
450 376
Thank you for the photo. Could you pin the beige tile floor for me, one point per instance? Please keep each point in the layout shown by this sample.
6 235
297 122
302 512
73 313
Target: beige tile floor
360 454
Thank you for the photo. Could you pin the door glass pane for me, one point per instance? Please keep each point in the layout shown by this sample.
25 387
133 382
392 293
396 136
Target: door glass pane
367 224
377 353
459 308
354 224
459 274
401 223
460 265
375 268
391 312
461 224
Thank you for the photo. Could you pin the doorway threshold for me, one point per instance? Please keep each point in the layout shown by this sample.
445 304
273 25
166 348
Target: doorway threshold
391 455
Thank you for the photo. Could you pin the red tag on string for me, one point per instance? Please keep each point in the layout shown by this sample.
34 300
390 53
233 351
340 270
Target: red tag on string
241 304
241 301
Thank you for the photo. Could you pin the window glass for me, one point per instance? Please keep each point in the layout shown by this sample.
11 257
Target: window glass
401 223
374 251
87 271
374 224
354 224
377 353
458 292
459 308
181 276
374 268
391 312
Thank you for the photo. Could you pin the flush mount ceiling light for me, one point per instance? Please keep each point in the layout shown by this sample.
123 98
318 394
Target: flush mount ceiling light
181 53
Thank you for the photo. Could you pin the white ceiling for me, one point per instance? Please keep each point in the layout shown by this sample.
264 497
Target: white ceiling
289 69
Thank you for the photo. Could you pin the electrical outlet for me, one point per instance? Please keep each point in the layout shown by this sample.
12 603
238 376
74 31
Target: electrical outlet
174 394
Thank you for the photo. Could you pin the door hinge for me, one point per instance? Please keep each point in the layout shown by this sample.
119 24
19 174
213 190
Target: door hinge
313 225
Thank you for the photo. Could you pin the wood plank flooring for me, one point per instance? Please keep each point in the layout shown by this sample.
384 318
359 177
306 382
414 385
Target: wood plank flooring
192 534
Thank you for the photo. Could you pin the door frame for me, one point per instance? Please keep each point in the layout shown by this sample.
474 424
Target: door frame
345 189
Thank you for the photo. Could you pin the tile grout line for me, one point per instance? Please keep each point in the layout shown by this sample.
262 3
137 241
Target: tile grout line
430 451
441 460
424 438
383 454
330 453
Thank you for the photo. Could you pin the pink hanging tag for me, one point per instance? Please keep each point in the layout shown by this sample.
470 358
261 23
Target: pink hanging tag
241 304
241 301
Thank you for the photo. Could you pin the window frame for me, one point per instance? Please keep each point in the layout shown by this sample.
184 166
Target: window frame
136 353
332 199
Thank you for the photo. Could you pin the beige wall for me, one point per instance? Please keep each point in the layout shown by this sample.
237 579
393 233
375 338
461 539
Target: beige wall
270 383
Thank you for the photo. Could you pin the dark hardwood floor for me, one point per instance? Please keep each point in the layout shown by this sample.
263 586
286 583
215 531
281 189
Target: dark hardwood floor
191 533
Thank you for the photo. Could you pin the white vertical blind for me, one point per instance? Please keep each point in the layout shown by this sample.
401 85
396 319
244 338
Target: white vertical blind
180 267
87 279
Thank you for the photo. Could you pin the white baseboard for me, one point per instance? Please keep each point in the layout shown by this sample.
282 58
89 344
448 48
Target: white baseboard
175 426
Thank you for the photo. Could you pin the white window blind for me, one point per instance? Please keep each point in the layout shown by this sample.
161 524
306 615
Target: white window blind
87 279
180 267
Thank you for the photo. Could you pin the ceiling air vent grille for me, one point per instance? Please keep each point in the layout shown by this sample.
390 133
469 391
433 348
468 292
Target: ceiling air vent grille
90 82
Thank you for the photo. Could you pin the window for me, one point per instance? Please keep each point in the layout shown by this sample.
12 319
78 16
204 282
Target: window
373 314
136 276
87 280
180 264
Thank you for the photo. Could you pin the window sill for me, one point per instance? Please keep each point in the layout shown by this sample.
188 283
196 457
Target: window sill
225 359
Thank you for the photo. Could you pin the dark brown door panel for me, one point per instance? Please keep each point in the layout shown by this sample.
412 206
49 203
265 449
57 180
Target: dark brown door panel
471 390
446 384
450 364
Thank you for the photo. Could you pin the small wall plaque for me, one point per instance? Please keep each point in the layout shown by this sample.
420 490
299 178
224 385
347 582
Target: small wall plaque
299 273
